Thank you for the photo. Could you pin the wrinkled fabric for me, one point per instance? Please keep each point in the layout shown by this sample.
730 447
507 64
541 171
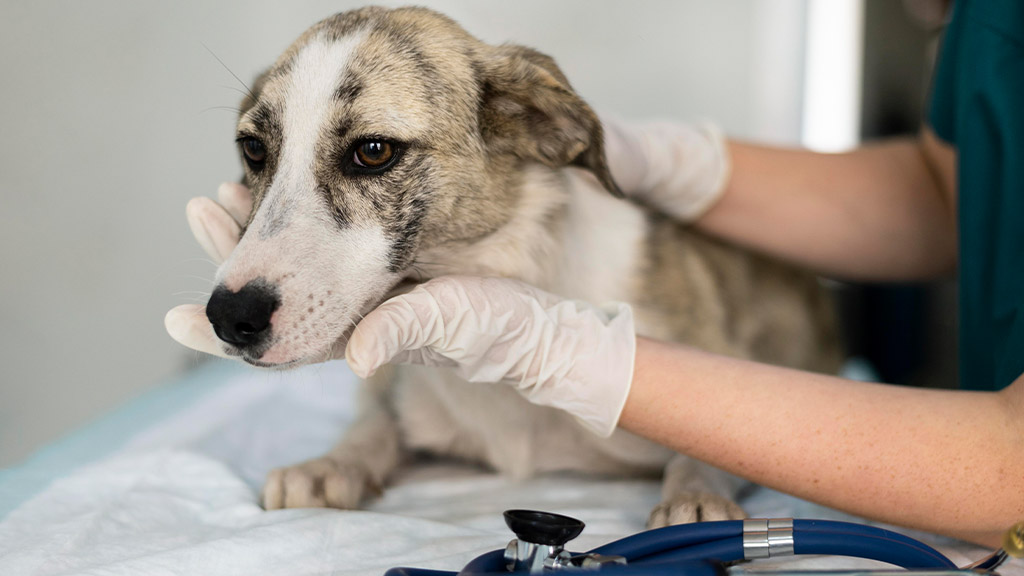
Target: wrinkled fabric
176 493
561 353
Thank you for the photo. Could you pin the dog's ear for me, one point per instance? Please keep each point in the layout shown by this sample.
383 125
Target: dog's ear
529 110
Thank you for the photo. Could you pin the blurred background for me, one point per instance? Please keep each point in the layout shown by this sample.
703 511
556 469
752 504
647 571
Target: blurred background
113 113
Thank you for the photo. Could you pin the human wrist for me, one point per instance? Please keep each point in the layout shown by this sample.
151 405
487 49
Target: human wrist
652 358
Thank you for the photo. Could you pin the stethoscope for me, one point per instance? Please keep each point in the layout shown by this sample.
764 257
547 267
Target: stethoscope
705 548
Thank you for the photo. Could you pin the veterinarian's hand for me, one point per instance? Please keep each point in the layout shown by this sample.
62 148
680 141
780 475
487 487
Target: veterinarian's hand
678 169
217 226
561 353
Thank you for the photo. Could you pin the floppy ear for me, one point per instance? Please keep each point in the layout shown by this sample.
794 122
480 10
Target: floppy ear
529 110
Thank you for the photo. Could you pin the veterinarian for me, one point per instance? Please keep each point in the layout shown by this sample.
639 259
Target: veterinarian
911 209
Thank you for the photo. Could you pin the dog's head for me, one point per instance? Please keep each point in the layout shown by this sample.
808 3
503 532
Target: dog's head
376 135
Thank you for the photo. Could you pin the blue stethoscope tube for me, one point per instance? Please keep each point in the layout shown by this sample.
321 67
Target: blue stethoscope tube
700 549
723 541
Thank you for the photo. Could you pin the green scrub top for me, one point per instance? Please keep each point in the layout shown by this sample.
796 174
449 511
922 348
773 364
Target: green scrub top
978 106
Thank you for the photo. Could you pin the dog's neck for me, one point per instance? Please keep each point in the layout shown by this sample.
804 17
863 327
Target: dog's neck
527 246
567 235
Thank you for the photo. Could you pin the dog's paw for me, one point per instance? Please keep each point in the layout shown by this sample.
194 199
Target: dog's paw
319 483
694 507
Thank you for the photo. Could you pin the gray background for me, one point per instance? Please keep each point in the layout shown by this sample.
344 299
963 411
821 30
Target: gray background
112 116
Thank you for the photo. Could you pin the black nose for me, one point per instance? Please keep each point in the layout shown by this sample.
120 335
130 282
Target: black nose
243 318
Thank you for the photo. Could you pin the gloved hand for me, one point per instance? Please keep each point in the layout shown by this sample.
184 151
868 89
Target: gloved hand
217 227
677 169
556 352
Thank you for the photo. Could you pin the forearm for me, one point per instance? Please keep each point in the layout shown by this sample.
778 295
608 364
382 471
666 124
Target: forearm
882 212
944 461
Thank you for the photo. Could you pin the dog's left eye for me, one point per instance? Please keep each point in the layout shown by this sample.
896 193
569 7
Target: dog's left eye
374 154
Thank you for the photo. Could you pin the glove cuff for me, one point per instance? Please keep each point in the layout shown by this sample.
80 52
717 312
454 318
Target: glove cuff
604 387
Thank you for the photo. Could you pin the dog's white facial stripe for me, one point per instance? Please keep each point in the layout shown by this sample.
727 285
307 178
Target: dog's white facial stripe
326 275
309 98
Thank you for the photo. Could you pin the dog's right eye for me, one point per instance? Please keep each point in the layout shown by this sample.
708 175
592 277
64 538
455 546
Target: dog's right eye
254 151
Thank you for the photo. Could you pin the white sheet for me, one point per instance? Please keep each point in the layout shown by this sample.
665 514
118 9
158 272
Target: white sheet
180 496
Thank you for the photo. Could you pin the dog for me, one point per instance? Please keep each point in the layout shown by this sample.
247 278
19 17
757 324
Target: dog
387 147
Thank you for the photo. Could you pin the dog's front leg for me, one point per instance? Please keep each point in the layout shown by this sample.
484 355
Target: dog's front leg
692 491
355 468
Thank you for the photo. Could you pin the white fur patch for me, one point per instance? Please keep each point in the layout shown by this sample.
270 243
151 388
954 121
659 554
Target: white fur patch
309 98
311 94
603 241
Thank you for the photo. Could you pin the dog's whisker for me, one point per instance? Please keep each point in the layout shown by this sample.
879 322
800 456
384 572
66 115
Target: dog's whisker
196 299
416 269
417 266
228 108
194 277
418 261
234 89
247 89
206 260
196 358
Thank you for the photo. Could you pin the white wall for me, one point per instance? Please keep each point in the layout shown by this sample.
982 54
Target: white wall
109 122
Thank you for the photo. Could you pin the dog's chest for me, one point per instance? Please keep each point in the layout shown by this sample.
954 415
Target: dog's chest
603 242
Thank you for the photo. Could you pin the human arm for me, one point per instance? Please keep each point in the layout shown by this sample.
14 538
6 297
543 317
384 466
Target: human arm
883 212
950 462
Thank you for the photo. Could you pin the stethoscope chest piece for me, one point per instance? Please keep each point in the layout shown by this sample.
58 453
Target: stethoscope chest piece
540 541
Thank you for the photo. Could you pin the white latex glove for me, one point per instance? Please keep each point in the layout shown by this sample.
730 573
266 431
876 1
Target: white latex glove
677 169
217 227
560 353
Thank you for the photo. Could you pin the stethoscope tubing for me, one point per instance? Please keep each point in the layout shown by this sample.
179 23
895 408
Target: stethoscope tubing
723 541
659 540
660 551
859 541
